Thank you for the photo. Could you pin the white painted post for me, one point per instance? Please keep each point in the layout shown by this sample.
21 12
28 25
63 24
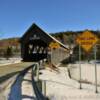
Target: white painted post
37 72
95 50
80 66
44 87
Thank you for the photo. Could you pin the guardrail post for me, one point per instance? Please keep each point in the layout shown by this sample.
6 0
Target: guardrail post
37 71
44 87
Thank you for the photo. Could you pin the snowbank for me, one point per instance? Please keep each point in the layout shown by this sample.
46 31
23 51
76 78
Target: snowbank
87 72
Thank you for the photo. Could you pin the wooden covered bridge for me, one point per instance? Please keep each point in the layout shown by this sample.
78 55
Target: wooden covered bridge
35 42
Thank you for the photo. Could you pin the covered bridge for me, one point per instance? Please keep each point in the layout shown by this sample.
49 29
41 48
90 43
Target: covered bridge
34 44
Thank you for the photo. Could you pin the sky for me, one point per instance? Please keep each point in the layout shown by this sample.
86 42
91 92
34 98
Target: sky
16 16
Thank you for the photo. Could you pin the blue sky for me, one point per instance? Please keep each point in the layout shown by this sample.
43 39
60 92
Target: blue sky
16 16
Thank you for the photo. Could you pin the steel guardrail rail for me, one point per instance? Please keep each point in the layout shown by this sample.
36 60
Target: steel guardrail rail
38 93
21 74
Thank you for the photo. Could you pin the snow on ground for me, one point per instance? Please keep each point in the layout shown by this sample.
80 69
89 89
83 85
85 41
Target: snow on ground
4 61
22 88
27 88
87 72
60 87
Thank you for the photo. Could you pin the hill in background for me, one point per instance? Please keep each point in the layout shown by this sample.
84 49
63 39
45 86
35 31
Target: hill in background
68 38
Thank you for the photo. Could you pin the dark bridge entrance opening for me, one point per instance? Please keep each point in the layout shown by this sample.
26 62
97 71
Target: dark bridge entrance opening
35 50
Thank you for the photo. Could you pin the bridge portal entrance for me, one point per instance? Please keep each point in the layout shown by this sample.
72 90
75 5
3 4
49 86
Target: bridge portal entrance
35 43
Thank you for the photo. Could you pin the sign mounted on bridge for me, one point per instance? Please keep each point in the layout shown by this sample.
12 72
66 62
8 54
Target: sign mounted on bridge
54 45
87 40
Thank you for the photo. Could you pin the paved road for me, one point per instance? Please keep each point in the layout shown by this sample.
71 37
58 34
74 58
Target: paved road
25 88
22 88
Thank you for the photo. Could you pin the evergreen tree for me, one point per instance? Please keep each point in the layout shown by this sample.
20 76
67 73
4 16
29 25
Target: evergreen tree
8 52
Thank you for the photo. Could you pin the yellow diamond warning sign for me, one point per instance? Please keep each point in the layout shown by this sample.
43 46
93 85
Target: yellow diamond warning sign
54 45
87 40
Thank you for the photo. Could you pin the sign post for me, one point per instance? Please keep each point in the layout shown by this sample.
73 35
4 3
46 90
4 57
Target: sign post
87 40
95 50
80 65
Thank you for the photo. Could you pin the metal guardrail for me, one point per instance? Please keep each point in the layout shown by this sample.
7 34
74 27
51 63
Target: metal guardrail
38 93
18 81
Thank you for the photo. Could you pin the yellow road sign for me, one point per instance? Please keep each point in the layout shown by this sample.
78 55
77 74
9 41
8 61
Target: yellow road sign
87 40
54 45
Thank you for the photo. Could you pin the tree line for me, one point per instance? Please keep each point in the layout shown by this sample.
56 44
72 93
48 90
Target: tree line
8 47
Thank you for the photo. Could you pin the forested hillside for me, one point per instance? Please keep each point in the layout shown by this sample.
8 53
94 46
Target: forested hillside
68 38
10 44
